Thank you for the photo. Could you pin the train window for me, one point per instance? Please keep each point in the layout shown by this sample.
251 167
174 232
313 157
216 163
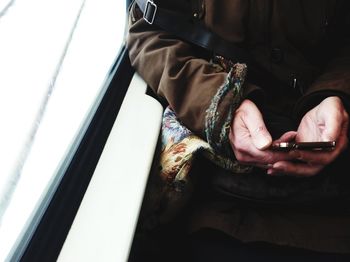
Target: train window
55 57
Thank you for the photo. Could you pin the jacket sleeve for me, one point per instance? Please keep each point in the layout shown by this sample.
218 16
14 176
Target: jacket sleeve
334 80
189 82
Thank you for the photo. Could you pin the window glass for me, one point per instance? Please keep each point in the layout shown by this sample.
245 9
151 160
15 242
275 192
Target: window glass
54 58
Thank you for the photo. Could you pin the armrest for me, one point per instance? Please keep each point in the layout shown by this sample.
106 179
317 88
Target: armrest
104 226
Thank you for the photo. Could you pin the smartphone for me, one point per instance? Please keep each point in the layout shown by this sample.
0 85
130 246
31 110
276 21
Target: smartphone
311 146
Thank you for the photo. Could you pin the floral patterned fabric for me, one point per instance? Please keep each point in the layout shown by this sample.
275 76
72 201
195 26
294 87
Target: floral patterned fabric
179 149
170 185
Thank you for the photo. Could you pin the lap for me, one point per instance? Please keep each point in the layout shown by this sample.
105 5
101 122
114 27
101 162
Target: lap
212 245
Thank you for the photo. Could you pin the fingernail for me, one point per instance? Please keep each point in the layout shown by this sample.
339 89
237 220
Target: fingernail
276 166
269 171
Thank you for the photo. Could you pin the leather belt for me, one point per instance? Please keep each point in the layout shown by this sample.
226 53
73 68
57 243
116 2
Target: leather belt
198 34
195 32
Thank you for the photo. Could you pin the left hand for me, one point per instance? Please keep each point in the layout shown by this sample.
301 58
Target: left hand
328 121
250 140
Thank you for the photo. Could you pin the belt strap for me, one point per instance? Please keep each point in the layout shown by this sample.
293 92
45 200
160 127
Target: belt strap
196 33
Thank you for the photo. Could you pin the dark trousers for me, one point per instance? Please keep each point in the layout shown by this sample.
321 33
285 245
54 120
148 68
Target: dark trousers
209 245
172 243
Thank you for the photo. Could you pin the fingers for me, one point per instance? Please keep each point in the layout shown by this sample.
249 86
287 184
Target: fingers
323 157
309 163
287 137
295 169
254 122
257 157
312 157
247 153
250 139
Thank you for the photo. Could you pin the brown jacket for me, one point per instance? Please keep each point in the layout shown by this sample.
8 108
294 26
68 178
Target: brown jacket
303 41
305 44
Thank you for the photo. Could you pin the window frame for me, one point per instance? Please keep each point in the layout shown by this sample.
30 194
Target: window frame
51 223
45 242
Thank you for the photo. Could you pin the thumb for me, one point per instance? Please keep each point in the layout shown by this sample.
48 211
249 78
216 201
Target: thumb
331 113
254 122
333 127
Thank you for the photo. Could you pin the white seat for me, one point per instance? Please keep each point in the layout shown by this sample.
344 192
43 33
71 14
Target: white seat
104 226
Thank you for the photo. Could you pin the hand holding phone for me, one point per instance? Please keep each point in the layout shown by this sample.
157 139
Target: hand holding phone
310 146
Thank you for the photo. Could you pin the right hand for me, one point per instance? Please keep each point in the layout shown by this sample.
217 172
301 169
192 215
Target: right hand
327 121
250 140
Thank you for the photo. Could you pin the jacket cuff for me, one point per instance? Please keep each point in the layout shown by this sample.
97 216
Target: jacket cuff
255 94
307 102
219 115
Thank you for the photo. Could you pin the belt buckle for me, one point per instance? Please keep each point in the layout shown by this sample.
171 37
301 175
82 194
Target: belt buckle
150 12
